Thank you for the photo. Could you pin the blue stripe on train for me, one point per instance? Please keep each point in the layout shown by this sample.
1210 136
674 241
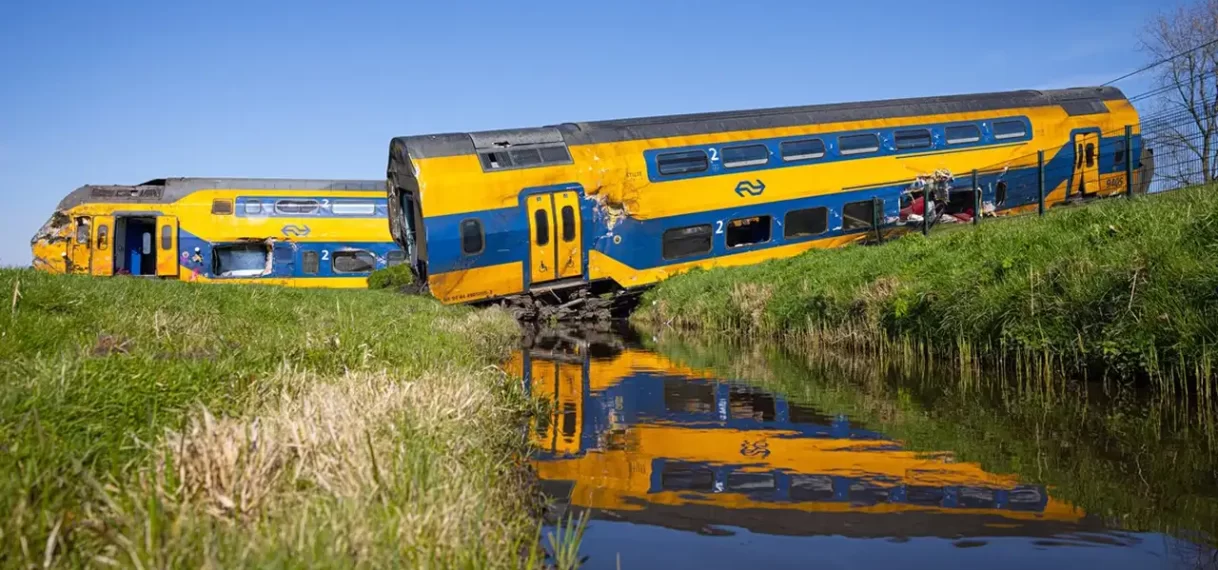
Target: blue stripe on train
287 258
507 232
311 207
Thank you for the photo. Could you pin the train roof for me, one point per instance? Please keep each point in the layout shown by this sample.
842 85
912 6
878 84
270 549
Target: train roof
1075 101
165 190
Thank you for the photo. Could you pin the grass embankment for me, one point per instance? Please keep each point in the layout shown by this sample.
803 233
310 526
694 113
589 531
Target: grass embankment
164 424
1128 286
1139 465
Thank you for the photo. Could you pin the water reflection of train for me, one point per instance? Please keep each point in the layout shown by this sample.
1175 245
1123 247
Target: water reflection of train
635 437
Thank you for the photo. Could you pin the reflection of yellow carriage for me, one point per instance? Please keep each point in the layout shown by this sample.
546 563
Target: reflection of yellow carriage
647 440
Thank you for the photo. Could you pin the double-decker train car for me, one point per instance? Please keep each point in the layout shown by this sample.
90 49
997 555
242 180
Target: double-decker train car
629 202
315 233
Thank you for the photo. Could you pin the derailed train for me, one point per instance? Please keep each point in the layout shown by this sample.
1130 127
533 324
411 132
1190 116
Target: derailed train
626 203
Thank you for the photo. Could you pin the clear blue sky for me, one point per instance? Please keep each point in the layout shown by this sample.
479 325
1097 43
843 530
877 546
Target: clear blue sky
121 91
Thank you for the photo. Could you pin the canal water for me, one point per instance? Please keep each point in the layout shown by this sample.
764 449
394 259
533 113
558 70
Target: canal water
711 457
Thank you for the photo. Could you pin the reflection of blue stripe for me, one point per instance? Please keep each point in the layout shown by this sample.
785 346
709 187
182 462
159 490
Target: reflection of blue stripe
320 206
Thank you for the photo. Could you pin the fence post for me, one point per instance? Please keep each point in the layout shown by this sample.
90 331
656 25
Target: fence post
1129 161
1040 182
926 210
976 199
876 211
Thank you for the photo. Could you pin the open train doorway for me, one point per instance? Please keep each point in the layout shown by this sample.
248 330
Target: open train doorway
135 251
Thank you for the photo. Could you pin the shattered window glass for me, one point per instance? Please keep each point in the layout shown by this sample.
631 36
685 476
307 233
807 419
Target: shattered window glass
395 257
353 261
684 242
310 262
82 230
241 260
806 222
857 215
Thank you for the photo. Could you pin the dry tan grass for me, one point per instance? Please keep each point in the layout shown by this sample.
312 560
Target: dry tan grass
751 299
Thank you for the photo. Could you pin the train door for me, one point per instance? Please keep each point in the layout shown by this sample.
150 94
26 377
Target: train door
1087 163
556 246
80 247
102 259
167 244
560 384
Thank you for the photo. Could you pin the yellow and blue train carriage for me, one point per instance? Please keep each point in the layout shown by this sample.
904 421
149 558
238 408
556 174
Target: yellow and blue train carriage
627 203
313 233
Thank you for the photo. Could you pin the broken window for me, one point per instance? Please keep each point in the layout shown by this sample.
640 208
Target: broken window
682 162
310 263
685 242
395 257
241 260
858 215
1009 130
802 150
858 144
296 207
748 231
750 155
806 222
906 140
526 157
555 154
471 237
82 231
961 134
495 160
352 261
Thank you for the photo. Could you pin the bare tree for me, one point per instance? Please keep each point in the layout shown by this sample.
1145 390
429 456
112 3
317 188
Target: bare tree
1186 125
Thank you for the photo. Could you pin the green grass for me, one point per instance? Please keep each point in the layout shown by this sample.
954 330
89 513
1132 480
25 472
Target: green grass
1139 464
397 277
1126 286
164 424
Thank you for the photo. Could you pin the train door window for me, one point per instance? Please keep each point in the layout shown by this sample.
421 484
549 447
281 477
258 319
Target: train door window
1000 192
221 207
749 155
806 222
1119 154
1009 130
911 139
802 150
748 231
568 223
352 261
472 240
395 257
542 219
963 134
686 242
353 208
82 231
526 157
296 207
241 260
858 215
310 263
103 236
858 144
1090 155
146 243
682 162
167 236
252 208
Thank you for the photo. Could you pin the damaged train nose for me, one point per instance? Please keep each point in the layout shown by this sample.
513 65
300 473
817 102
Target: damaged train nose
55 248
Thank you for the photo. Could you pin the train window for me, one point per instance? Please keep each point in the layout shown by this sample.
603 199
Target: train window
802 150
748 231
253 208
353 208
296 207
961 134
166 237
526 157
906 140
82 230
352 261
472 240
806 222
146 243
495 160
221 207
1120 152
751 155
103 234
858 215
1009 130
568 223
687 241
555 154
858 144
310 263
395 257
241 260
682 162
541 219
1000 192
1090 155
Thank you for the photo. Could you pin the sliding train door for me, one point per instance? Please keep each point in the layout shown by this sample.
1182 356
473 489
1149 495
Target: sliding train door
555 250
1086 163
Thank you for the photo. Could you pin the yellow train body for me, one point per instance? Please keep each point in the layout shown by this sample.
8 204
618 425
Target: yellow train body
309 233
631 202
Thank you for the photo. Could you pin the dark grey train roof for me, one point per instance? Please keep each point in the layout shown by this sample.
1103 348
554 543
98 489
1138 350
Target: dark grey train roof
165 190
457 144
